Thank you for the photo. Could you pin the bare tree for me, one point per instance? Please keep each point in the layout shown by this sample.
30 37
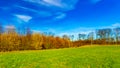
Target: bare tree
91 37
72 37
81 36
117 34
66 37
104 33
1 29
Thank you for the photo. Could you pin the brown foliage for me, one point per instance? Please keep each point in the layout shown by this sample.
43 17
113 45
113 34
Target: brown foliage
35 41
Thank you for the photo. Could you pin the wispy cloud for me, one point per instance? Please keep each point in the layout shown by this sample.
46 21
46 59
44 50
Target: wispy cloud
46 10
60 4
24 18
54 2
9 27
65 4
116 25
36 12
110 26
60 16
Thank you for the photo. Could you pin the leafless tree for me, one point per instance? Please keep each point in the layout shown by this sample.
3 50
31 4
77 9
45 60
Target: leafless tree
117 34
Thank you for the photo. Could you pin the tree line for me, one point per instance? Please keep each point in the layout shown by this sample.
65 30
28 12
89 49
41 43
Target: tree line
106 36
12 39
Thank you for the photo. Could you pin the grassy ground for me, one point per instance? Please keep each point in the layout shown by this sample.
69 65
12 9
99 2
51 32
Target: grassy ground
83 57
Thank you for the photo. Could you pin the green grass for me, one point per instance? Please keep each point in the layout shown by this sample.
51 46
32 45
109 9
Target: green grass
82 57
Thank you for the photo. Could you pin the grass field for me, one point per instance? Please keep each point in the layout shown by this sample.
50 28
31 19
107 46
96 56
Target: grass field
82 57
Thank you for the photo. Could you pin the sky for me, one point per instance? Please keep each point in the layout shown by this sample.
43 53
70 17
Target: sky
61 16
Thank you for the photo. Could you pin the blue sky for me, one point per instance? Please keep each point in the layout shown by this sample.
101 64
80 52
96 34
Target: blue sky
61 16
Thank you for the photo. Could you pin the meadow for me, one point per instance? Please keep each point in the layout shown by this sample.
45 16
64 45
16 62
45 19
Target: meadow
81 57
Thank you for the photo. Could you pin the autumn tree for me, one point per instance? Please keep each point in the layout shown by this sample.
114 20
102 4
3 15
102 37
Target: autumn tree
67 42
37 41
1 31
10 39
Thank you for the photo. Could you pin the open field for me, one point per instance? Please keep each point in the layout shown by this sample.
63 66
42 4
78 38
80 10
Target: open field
82 57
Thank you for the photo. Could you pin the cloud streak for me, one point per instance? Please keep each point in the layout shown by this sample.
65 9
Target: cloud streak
45 10
37 13
24 18
59 4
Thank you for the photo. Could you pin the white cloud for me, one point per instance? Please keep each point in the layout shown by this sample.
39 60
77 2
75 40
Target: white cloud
60 4
24 18
9 27
111 26
60 16
54 2
116 25
41 13
56 9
